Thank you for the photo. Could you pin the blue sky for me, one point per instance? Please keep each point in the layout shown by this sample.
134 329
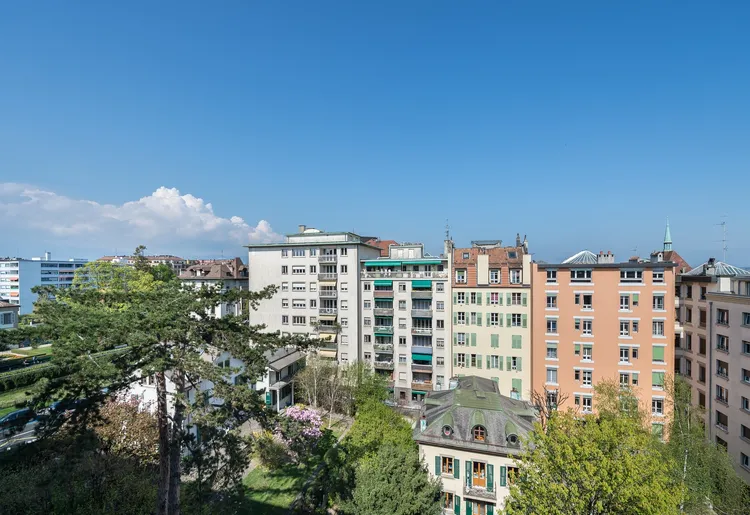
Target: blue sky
581 124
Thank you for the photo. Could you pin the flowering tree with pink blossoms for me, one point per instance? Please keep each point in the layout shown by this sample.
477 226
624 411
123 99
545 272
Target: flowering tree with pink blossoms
300 429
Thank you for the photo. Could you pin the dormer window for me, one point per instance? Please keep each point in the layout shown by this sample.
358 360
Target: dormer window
512 440
480 433
447 431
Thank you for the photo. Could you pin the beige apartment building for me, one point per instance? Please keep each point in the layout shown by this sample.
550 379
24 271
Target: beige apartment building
492 314
714 355
596 319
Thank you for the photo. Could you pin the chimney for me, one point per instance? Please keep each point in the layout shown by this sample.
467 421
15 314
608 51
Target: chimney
518 240
47 256
607 258
301 228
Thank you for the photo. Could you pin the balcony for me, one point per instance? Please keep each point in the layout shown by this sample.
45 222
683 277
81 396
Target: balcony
383 365
400 274
327 329
478 492
328 311
383 294
421 349
421 313
421 367
383 312
421 294
425 386
327 258
421 330
327 276
328 294
384 329
383 347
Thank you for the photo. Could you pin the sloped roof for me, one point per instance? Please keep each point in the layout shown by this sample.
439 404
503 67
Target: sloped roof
217 269
382 245
721 270
4 304
585 257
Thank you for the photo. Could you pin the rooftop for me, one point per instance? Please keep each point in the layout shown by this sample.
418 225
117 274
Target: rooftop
8 305
216 269
717 269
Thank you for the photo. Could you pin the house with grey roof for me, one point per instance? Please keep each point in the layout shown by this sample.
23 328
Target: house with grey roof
470 437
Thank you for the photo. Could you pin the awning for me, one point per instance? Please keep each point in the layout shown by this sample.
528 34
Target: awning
419 391
383 334
326 317
382 263
278 385
383 282
327 353
425 357
284 362
421 283
329 337
423 262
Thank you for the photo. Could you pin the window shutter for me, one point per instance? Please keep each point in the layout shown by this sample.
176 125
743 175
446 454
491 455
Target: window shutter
455 318
524 299
455 359
503 476
517 384
456 467
658 353
479 361
516 341
500 299
524 320
495 341
489 363
518 363
473 339
437 466
508 364
489 299
455 338
456 505
468 474
455 298
500 319
508 319
479 319
577 348
657 378
636 296
507 299
500 363
490 509
489 319
469 508
479 299
490 477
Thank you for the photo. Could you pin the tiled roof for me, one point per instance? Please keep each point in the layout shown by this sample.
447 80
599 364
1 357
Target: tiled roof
585 257
721 270
4 304
382 245
498 256
221 269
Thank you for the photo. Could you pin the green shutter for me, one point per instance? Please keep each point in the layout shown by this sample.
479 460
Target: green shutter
657 378
508 319
516 341
489 319
455 359
479 299
508 364
456 467
636 296
437 466
455 318
507 299
455 298
500 319
500 363
456 505
473 339
517 383
469 508
495 341
490 477
455 338
489 299
658 353
524 319
503 476
658 430
468 474
479 319
500 299
577 348
490 509
524 299
479 361
518 363
635 376
489 362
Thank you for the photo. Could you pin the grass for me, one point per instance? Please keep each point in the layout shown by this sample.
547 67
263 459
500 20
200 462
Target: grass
17 395
338 426
271 492
30 351
5 411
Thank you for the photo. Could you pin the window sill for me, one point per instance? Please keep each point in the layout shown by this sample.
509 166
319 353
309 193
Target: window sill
587 335
628 363
587 386
632 284
548 308
722 401
626 337
723 428
552 359
551 334
658 415
576 283
724 377
724 351
552 384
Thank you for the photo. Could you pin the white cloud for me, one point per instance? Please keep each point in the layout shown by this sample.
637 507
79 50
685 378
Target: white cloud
164 218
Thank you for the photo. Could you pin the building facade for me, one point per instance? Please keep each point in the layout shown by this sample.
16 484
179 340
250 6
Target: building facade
596 319
18 276
405 306
318 280
177 264
714 355
469 437
230 273
8 315
491 320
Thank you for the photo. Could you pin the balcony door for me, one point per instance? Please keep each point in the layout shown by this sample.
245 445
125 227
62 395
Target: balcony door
479 475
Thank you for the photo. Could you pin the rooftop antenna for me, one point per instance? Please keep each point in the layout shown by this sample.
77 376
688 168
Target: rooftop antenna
724 247
447 230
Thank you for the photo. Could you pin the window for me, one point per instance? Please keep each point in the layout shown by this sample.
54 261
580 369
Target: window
461 276
402 305
284 270
625 302
473 360
657 407
440 324
701 374
440 305
285 319
367 321
461 297
722 343
298 320
722 394
298 270
299 286
745 404
624 327
284 286
473 298
722 421
746 319
515 320
588 301
440 286
494 319
745 460
658 276
299 304
368 338
313 252
446 467
688 368
344 286
343 251
313 286
587 353
461 360
344 323
460 338
402 323
745 347
587 404
588 327
722 368
624 355
580 276
702 400
284 303
631 276
402 287
313 269
402 341
514 363
515 276
722 317
552 375
284 253
701 346
688 314
552 301
586 377
658 303
624 380
461 318
745 376
551 326
440 361
367 304
701 318
494 298
402 358
551 276
440 343
367 286
479 433
298 252
495 276
516 299
658 328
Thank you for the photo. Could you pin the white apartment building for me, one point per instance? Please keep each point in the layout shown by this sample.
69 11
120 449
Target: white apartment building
405 323
18 276
317 274
8 315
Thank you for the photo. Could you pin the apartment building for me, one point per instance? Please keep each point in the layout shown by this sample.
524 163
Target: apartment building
231 273
8 315
405 306
491 314
597 319
317 274
177 264
714 355
18 276
469 437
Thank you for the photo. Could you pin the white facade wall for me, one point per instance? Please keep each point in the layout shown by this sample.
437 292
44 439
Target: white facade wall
19 276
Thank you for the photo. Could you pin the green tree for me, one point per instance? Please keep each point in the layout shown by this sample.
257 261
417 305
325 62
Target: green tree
594 464
166 332
374 426
394 481
707 481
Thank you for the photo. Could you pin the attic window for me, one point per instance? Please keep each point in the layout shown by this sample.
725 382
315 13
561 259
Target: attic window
512 439
479 433
466 255
512 254
447 431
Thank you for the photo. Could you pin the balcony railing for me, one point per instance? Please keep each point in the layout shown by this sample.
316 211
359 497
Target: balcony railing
327 258
327 329
480 493
328 294
425 386
383 294
383 312
421 313
421 330
383 347
422 349
421 294
399 274
384 365
327 311
327 276
421 367
386 329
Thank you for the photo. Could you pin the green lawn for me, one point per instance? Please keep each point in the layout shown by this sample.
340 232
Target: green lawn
30 351
5 411
271 492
